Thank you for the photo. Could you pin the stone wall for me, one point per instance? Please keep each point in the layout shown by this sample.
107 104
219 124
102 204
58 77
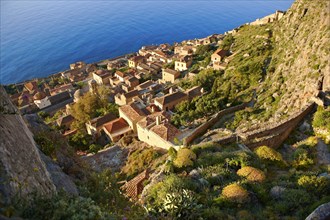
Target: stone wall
271 135
22 170
214 119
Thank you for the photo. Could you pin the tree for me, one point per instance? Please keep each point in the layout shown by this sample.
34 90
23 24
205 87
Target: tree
90 106
185 157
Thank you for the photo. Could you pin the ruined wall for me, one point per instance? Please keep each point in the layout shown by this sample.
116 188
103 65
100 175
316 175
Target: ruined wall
22 171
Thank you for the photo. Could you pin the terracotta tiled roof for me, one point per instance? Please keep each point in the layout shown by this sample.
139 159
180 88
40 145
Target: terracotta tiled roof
146 84
172 72
152 106
185 58
152 118
132 79
100 72
31 86
137 58
166 131
134 187
115 125
65 119
61 88
132 111
131 94
194 92
60 97
120 73
100 121
222 53
39 96
166 99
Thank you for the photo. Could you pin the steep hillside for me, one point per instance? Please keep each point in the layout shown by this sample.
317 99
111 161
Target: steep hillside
288 58
301 55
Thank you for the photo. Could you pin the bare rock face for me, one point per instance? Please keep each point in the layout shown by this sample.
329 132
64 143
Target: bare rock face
22 170
61 180
320 213
302 49
110 158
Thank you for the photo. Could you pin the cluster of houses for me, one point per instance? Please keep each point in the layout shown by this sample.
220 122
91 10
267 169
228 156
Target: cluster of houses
145 105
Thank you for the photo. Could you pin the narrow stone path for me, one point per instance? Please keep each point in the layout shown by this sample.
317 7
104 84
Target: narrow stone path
323 154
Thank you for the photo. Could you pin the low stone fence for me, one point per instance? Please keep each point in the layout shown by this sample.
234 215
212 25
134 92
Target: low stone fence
293 120
272 135
214 119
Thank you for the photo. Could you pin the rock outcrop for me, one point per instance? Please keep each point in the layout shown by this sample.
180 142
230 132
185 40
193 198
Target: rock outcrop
22 170
320 213
301 55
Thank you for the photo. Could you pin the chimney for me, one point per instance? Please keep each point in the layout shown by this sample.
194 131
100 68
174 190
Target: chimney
158 120
152 108
171 90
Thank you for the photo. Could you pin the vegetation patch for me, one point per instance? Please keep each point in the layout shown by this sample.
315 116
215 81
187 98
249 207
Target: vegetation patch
235 193
252 174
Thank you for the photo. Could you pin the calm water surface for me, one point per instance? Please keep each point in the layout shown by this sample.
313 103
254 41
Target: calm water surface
39 38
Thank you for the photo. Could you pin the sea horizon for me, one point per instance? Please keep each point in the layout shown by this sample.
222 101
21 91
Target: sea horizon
31 48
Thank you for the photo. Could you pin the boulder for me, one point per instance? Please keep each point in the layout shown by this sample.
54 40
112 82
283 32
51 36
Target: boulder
195 174
277 191
320 213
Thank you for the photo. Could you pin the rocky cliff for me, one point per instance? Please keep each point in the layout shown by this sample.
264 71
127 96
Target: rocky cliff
22 170
301 55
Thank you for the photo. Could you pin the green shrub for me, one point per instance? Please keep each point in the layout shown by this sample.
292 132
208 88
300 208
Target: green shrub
172 153
181 205
245 215
218 175
292 200
268 154
252 174
62 206
139 160
234 160
49 142
94 148
321 118
320 185
170 184
214 213
185 157
235 193
302 158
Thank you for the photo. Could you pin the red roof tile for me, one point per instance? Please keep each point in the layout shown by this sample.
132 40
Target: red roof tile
116 125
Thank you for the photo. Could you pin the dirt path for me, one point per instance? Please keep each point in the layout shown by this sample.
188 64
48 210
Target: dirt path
323 154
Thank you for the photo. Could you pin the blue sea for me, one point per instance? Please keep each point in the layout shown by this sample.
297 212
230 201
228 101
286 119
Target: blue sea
39 38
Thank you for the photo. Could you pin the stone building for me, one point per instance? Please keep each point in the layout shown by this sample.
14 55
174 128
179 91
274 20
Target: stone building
170 75
183 63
